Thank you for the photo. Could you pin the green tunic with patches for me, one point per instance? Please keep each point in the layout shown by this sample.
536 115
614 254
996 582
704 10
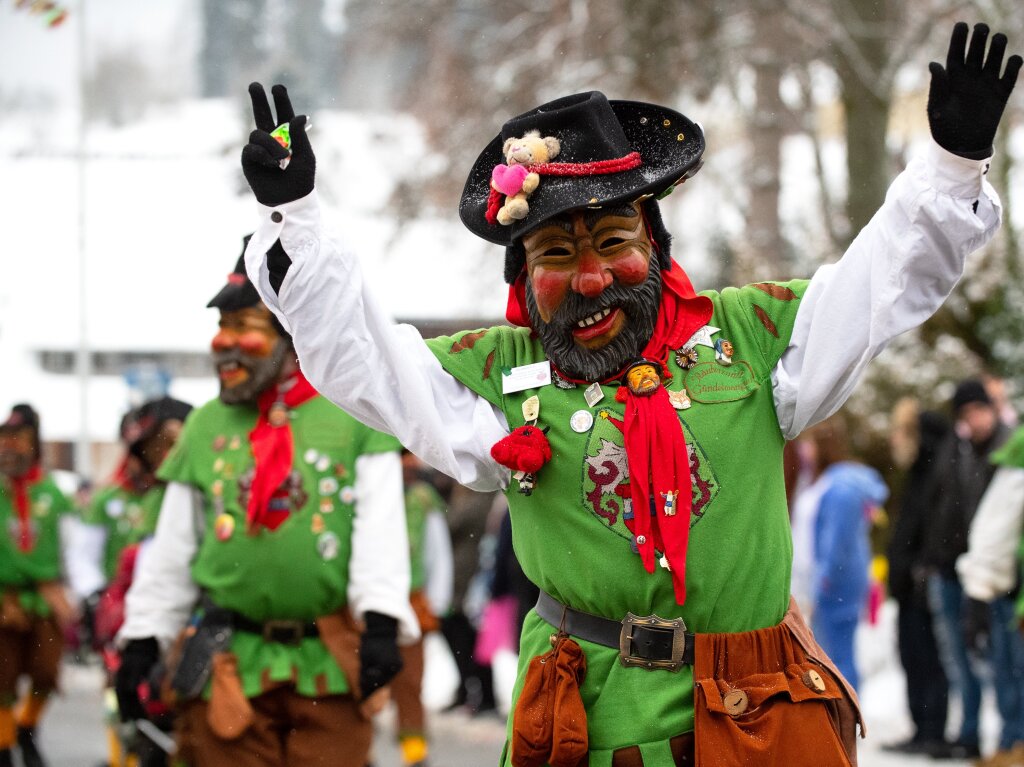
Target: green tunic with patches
298 571
21 571
570 537
128 516
420 500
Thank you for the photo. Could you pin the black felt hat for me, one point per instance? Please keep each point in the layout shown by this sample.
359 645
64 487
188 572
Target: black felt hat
239 293
594 134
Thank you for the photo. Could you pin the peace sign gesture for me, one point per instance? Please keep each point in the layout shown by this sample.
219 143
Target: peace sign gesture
261 158
967 97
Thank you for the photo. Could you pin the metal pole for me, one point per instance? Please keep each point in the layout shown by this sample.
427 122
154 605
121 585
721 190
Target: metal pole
83 457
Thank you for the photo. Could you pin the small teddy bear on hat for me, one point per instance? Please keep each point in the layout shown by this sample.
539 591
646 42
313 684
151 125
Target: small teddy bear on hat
514 180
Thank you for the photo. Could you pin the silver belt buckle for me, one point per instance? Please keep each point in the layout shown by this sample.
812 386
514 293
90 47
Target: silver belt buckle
675 626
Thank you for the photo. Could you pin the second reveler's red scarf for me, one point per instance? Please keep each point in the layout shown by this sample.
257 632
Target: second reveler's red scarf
273 449
23 506
656 449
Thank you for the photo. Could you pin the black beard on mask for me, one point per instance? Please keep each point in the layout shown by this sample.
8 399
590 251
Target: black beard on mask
262 373
640 304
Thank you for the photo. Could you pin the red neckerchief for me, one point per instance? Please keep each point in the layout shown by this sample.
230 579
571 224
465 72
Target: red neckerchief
273 450
655 445
23 506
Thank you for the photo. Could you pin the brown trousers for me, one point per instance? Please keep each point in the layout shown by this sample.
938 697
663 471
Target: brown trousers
287 730
407 689
772 697
33 650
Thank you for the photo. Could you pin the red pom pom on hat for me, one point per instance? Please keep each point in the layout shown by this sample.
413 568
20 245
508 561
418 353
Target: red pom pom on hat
525 449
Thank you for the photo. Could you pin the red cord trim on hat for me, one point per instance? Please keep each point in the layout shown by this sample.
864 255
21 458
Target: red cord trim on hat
236 279
596 168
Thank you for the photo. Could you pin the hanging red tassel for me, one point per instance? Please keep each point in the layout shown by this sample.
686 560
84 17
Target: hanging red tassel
526 449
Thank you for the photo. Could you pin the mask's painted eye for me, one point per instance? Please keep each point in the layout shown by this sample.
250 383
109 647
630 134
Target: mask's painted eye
556 252
611 242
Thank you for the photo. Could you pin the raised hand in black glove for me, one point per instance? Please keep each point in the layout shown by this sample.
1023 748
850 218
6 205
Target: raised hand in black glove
378 653
261 157
137 661
966 99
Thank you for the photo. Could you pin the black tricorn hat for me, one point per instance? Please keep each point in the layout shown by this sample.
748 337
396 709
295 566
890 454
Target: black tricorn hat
239 293
591 131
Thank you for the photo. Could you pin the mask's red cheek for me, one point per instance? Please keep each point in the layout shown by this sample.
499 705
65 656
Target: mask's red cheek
255 344
630 267
549 288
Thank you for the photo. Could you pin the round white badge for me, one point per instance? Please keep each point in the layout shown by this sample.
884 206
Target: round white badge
581 421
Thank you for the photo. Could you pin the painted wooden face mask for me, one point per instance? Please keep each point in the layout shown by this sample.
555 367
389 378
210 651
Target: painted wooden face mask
17 452
248 354
593 289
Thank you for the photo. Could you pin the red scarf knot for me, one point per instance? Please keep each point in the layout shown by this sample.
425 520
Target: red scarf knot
23 506
273 451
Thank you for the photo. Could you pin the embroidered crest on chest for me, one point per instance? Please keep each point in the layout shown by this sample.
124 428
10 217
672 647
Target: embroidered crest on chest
605 480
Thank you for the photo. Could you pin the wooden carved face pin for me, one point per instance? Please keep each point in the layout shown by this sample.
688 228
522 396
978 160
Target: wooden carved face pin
642 378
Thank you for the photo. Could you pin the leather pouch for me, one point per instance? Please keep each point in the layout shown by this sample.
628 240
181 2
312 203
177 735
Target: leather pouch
12 615
229 713
549 724
341 635
763 695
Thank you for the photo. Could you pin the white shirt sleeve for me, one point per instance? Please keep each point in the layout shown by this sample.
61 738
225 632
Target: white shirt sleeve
379 575
895 275
381 373
83 555
163 595
438 563
988 568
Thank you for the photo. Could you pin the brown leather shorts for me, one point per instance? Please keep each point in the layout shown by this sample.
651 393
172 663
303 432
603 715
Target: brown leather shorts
772 697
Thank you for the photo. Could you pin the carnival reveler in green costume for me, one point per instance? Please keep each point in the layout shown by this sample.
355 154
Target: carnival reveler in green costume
636 426
280 560
33 610
124 512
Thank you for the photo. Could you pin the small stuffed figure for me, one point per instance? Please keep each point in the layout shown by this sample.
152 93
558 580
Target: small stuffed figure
514 180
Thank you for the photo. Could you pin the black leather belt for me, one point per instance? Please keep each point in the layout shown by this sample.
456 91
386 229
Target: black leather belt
646 641
284 632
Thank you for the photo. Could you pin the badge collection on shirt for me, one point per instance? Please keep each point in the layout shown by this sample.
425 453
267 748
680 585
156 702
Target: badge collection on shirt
331 489
645 383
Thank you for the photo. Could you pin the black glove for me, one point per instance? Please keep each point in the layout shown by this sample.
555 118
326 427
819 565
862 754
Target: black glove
966 99
261 156
976 620
378 653
137 661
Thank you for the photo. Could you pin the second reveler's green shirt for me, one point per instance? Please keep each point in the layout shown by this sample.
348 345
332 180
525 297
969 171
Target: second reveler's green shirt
129 517
570 536
298 571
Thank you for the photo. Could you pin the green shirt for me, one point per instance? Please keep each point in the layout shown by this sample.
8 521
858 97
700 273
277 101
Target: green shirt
21 570
570 537
420 500
128 516
298 571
